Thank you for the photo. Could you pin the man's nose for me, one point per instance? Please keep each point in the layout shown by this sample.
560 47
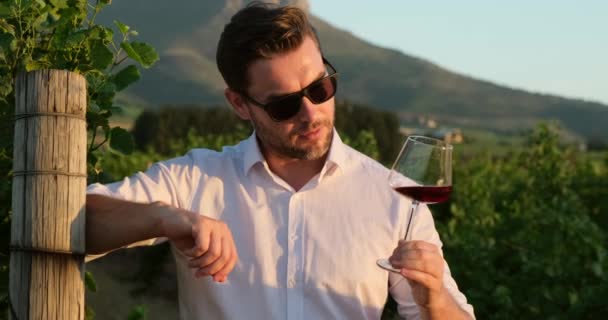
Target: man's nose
308 110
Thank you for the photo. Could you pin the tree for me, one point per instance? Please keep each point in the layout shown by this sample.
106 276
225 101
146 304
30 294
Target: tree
351 119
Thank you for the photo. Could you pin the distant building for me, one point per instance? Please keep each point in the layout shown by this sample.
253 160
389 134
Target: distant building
427 122
452 136
449 135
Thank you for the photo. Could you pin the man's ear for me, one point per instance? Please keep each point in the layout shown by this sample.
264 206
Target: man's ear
238 103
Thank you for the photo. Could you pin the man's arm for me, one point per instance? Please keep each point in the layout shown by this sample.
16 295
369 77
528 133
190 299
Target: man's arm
113 223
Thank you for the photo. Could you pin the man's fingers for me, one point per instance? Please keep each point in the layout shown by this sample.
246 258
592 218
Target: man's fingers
220 277
420 260
229 265
417 245
420 265
425 279
202 241
223 273
213 253
417 254
221 261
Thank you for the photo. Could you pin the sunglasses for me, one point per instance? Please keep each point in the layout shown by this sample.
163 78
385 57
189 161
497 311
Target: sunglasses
285 107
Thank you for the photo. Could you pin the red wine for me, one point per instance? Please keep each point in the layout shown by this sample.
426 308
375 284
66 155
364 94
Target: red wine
426 194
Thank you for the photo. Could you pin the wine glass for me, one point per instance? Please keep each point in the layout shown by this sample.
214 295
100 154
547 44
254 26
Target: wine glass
423 173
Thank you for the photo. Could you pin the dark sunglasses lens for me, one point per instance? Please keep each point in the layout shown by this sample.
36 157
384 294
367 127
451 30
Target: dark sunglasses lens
289 106
323 90
284 108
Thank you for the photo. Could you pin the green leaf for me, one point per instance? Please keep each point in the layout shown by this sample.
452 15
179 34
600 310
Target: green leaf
36 65
597 269
54 19
89 314
5 41
39 24
6 27
138 313
124 29
89 282
125 77
59 4
75 38
130 51
13 45
101 55
25 5
140 52
71 14
5 10
105 94
121 140
106 34
41 3
92 159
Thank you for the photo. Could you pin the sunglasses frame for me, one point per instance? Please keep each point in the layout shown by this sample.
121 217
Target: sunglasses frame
302 93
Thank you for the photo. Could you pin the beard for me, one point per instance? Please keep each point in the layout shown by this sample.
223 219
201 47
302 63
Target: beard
288 147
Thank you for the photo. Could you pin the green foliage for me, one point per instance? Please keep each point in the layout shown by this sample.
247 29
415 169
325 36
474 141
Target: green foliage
208 141
521 241
116 166
365 142
89 282
62 34
592 186
140 52
121 140
351 119
126 76
89 313
162 130
138 313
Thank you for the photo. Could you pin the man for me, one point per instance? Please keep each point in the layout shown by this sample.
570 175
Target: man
308 215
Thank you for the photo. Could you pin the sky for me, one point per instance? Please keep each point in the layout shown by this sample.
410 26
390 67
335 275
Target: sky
556 47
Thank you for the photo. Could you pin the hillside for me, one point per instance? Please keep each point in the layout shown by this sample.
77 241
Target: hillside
186 35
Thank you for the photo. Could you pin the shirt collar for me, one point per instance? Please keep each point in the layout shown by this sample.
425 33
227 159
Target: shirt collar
252 155
337 153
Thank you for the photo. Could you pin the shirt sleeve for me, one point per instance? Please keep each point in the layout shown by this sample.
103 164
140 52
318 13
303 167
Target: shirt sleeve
168 181
423 228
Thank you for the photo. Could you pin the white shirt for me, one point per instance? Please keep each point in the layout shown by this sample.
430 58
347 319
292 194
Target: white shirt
307 254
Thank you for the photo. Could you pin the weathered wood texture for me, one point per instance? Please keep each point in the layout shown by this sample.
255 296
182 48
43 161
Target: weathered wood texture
48 196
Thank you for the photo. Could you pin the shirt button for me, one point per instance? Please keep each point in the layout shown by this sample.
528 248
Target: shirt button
293 237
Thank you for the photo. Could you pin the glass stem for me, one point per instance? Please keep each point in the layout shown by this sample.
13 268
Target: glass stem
413 208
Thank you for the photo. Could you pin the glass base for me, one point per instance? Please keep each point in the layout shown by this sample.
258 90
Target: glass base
386 265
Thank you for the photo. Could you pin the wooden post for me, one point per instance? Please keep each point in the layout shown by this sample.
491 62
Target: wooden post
49 185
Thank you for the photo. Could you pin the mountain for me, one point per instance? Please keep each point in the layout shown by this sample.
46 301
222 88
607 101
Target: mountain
186 33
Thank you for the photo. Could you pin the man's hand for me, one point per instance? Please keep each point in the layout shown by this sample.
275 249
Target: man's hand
422 265
208 242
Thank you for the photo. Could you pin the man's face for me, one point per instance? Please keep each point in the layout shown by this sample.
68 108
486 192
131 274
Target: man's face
307 135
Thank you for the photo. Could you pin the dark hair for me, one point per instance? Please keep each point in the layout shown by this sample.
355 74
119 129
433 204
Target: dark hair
259 31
